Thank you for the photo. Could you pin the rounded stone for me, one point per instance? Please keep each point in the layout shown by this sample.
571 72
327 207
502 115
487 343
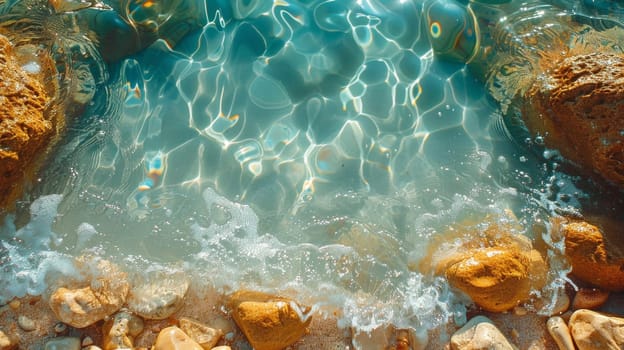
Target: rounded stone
203 335
269 322
26 323
496 278
594 331
63 343
589 298
172 338
594 259
561 334
159 295
480 333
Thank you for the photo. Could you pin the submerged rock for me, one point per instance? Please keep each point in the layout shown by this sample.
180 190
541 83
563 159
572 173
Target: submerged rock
595 255
172 338
83 307
269 322
495 267
158 295
594 331
589 298
480 334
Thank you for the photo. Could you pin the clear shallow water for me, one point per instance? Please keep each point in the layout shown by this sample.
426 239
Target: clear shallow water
314 146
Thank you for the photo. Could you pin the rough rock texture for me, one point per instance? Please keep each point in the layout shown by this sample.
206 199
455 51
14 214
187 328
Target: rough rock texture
172 338
268 322
203 335
594 331
594 257
159 295
577 107
84 306
120 331
480 334
26 123
495 267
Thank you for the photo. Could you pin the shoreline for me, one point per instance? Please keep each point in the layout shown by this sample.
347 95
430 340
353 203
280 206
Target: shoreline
523 328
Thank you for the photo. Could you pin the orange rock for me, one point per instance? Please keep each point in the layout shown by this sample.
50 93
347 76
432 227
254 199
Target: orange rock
589 298
269 322
495 267
497 279
26 126
577 107
595 259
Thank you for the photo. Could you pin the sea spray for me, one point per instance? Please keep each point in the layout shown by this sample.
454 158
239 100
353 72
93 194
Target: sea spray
27 261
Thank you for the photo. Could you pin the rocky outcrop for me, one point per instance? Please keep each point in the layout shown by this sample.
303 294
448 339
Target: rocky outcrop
495 267
577 106
82 307
595 254
269 322
594 331
27 122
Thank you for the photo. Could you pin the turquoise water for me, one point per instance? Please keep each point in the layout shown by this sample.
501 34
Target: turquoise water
309 146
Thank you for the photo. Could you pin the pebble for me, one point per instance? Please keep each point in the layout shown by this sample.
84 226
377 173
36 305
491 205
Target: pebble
560 332
594 331
7 341
480 333
63 343
26 323
172 338
203 335
60 327
589 298
15 304
87 341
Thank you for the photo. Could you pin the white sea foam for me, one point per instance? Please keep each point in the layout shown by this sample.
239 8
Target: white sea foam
27 262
